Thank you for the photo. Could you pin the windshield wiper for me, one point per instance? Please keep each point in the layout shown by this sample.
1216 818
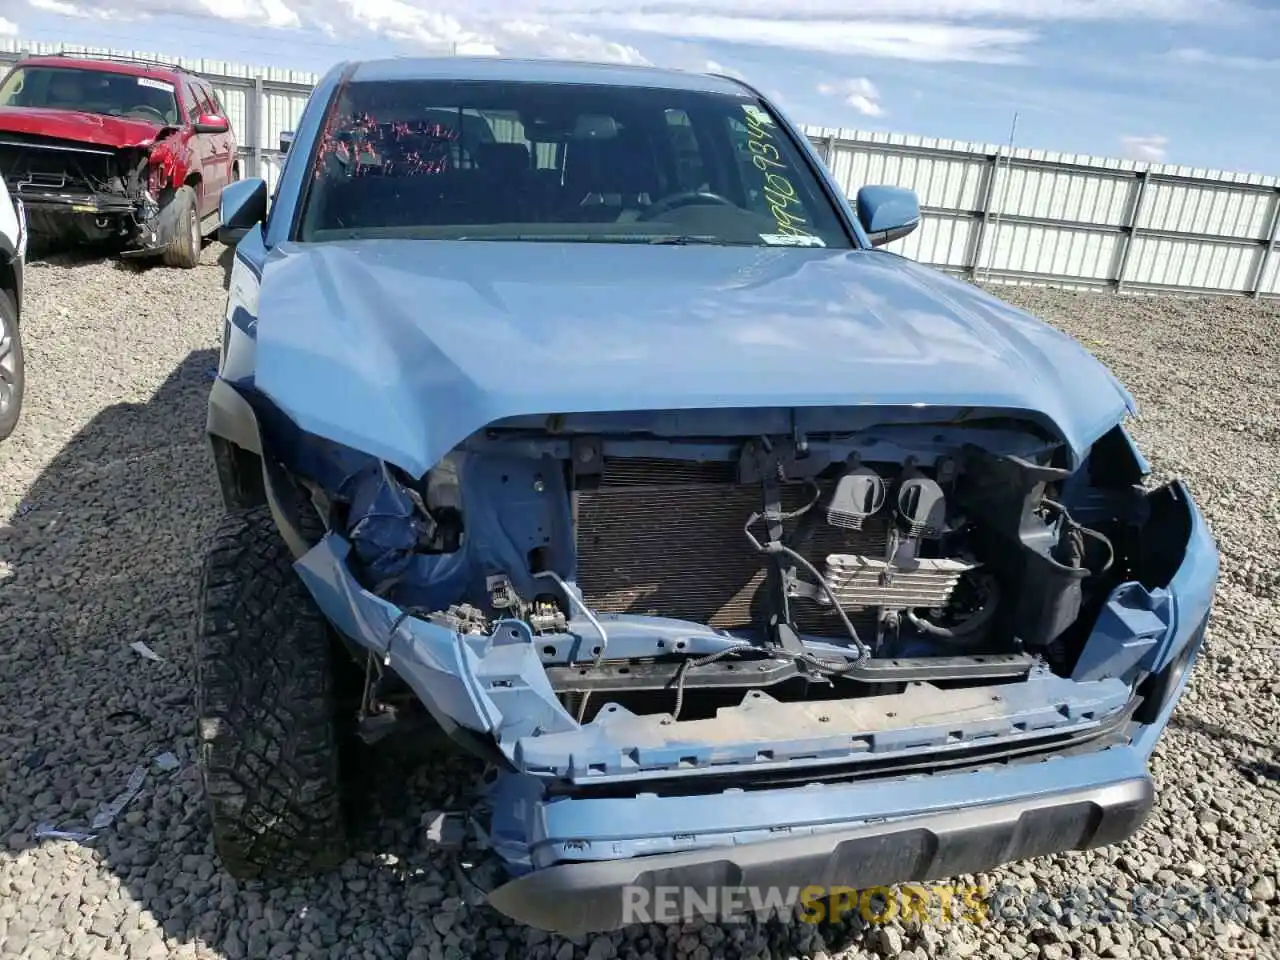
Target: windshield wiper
687 239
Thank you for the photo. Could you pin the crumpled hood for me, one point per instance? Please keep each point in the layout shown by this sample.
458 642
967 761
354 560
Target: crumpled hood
403 348
91 128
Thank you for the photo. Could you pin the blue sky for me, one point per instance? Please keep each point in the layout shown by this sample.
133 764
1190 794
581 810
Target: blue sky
1182 81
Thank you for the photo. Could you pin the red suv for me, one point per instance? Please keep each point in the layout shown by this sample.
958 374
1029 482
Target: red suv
116 150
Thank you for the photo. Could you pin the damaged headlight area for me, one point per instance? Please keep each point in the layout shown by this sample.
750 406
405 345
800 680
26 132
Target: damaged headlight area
535 584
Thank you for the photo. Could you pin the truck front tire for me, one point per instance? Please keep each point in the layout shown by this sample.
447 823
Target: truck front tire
267 734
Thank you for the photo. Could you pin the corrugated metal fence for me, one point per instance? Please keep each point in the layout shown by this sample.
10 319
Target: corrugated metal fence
1020 216
1071 220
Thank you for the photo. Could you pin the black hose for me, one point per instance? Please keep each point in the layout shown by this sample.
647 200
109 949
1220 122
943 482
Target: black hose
774 547
863 650
1085 531
817 495
688 665
961 632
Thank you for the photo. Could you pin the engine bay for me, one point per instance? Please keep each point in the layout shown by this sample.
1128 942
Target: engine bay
678 576
740 548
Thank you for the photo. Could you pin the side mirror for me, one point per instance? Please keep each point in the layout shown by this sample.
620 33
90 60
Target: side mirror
286 140
244 203
210 123
887 213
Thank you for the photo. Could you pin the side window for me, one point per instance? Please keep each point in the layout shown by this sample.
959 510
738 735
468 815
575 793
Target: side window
202 94
214 102
546 156
691 171
508 128
752 181
192 98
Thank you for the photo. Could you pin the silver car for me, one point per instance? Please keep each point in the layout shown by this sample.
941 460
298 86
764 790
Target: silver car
13 248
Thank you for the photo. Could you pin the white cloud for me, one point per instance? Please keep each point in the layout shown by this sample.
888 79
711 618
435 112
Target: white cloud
989 31
7 27
489 28
1153 148
1192 55
260 13
714 66
903 40
940 10
58 7
546 40
859 93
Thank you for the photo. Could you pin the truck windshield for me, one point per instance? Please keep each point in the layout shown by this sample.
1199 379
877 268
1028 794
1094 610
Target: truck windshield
90 91
560 162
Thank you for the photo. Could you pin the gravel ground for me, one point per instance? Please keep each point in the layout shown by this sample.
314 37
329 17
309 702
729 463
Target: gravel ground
109 493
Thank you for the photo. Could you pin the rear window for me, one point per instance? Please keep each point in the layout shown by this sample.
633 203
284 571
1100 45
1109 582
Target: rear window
566 162
90 91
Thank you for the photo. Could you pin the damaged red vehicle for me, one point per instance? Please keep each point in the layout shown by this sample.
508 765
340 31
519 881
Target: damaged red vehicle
110 150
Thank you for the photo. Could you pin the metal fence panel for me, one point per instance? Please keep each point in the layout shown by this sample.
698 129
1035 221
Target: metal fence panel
1221 210
1049 194
1270 281
941 240
1188 264
1010 216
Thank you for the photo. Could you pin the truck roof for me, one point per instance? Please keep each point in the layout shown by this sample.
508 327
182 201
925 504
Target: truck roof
539 71
131 68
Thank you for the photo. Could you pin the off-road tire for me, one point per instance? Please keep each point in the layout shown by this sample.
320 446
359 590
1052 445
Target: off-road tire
13 365
267 733
184 249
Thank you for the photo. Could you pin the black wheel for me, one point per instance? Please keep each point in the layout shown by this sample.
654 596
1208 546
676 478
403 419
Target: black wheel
12 367
184 249
267 732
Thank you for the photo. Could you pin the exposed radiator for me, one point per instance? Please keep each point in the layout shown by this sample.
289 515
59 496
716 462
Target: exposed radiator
664 538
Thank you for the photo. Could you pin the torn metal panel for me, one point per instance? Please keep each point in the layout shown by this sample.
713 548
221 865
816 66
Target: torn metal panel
514 507
487 684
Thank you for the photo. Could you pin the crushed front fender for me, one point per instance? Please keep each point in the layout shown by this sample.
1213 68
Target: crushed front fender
487 684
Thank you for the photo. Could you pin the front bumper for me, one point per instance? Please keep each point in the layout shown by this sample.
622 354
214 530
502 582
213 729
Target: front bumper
55 214
580 898
595 874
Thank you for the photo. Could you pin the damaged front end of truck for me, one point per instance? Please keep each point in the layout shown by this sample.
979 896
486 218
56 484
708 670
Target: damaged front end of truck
771 646
87 192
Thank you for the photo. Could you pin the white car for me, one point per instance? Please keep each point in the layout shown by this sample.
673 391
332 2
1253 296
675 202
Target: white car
13 249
